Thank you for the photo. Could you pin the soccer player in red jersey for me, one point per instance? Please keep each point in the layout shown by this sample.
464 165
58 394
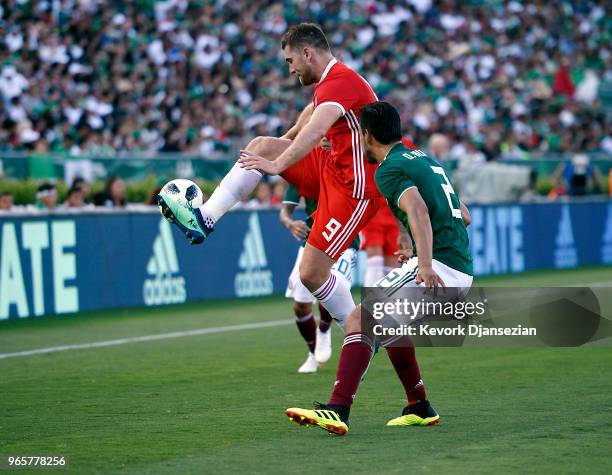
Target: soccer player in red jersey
341 179
380 241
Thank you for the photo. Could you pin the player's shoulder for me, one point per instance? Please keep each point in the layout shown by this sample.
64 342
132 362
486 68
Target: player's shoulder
398 161
397 156
340 69
341 73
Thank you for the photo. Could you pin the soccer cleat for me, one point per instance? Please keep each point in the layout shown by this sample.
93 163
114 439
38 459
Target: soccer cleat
310 365
190 221
321 416
323 348
419 414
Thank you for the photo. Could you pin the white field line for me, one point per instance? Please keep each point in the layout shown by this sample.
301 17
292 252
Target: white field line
140 339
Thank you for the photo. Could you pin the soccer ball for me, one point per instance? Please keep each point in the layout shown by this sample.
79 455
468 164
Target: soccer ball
183 192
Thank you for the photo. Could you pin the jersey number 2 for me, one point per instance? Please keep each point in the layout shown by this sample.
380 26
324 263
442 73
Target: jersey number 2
448 191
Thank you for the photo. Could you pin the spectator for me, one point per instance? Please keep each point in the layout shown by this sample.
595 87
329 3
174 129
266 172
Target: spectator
6 201
261 198
46 196
186 76
472 154
113 195
151 198
439 147
278 192
75 198
577 176
83 185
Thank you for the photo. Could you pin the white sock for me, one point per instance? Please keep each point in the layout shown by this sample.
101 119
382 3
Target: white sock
237 184
375 271
336 298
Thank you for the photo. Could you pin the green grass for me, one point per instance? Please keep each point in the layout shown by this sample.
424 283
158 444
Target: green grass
215 403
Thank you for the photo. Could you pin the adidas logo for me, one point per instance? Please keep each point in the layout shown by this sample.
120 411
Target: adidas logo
164 285
565 254
254 279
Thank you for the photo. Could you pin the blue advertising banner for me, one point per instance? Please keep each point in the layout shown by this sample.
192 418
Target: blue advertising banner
64 263
67 263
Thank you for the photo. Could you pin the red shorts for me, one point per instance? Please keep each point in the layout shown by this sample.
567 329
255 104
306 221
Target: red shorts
339 217
381 231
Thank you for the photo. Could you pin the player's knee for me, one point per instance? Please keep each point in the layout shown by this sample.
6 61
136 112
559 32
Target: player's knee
302 309
259 145
311 277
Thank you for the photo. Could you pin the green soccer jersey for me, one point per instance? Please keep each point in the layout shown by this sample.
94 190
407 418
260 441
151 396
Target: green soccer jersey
403 169
292 196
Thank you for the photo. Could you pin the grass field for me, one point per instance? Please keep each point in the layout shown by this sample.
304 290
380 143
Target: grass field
214 403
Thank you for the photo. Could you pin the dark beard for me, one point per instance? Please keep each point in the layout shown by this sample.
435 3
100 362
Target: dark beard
370 157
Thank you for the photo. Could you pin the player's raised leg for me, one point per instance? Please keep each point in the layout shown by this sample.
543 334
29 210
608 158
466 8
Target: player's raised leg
239 182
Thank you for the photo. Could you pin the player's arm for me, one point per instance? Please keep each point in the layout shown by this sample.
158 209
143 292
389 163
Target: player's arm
297 228
465 214
302 120
323 117
404 243
415 208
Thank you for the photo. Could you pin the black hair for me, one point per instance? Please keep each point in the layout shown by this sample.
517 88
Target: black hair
73 190
46 186
78 181
382 120
305 34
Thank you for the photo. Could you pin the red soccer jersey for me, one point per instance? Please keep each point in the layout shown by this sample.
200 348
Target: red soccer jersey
344 88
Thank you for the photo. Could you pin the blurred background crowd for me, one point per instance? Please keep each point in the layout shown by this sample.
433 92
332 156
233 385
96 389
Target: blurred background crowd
495 77
475 80
79 196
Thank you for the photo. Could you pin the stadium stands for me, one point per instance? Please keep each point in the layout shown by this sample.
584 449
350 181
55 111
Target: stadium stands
505 77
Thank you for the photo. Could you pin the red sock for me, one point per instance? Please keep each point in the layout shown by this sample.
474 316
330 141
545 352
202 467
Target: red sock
326 319
308 329
354 360
404 361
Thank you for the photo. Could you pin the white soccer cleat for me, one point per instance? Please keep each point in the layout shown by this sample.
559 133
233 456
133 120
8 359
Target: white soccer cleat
323 348
310 365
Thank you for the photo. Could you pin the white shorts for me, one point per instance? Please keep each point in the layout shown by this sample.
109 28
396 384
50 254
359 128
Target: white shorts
405 276
343 270
457 287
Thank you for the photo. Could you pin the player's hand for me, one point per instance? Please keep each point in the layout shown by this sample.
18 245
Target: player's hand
403 241
428 276
325 144
251 161
403 255
299 229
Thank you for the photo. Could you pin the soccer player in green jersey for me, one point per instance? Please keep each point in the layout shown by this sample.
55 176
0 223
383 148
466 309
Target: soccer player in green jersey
420 194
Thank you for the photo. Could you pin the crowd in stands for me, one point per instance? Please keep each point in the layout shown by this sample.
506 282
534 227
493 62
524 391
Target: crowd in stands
80 197
485 79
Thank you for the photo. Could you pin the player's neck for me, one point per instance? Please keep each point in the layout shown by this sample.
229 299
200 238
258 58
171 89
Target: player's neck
385 149
322 65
